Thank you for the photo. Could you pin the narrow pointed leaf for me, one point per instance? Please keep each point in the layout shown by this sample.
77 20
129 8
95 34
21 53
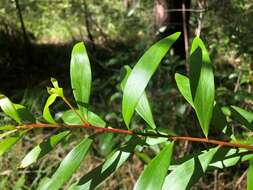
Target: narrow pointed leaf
7 127
154 174
202 83
143 107
9 109
46 112
68 166
250 176
142 73
70 118
80 73
7 143
243 116
183 85
42 149
188 173
96 176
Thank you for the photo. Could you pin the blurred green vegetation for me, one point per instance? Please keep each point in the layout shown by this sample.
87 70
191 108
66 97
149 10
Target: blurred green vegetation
117 33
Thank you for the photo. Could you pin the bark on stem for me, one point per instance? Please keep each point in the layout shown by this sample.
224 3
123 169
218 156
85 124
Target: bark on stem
129 132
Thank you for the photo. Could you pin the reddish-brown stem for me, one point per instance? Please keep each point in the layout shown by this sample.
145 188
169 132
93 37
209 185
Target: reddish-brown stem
129 132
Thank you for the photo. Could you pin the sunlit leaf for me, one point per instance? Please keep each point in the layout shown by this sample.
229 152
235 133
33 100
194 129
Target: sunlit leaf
68 166
7 127
46 112
9 109
42 149
188 173
143 107
202 83
250 176
183 85
69 117
142 73
154 174
80 73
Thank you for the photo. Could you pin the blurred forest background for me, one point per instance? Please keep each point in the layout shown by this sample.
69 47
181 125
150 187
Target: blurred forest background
36 38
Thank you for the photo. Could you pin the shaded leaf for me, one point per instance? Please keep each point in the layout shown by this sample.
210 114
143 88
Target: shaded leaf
202 83
42 149
243 116
24 114
142 73
80 73
68 166
188 173
154 174
8 108
183 85
143 107
103 171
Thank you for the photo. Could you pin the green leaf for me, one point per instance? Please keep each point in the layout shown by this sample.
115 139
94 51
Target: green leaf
24 114
7 127
9 109
142 73
46 112
56 89
202 83
68 166
70 118
227 157
243 116
188 173
8 142
96 176
154 174
250 176
43 148
143 107
80 73
183 85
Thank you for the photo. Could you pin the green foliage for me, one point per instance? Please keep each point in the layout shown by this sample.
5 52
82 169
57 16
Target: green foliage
141 74
163 171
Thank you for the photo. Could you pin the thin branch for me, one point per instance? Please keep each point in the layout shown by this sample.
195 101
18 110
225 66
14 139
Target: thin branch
129 132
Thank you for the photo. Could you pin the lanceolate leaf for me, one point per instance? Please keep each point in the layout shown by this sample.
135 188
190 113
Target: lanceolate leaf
141 74
103 171
154 174
143 107
7 143
46 112
80 74
68 166
243 116
202 83
188 173
9 109
250 176
183 85
42 149
70 118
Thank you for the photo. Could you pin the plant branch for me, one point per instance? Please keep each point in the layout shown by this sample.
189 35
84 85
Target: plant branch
129 132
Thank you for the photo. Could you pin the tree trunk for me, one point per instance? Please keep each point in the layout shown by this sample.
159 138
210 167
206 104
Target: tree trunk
170 17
